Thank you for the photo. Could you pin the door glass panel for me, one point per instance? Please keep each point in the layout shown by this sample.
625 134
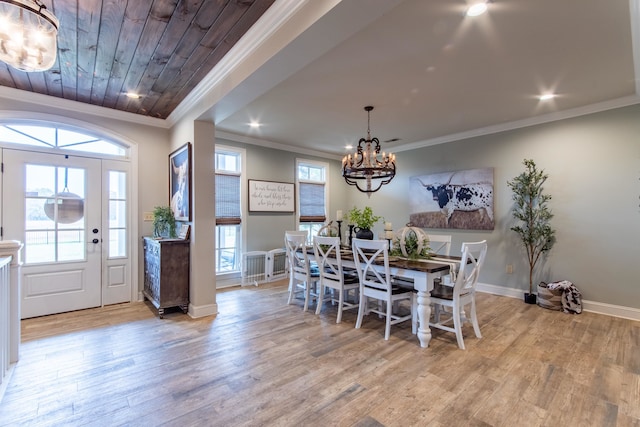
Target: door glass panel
117 217
54 221
117 214
71 245
117 243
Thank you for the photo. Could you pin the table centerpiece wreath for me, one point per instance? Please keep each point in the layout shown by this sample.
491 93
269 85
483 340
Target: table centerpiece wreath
411 243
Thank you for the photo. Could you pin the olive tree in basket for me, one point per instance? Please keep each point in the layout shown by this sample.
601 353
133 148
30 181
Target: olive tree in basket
531 210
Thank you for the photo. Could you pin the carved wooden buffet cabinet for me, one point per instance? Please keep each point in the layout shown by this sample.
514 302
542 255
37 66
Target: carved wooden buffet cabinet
166 273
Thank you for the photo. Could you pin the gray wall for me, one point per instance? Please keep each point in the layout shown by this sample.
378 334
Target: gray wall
593 164
265 231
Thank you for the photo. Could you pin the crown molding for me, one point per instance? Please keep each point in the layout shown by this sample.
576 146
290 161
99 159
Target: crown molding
79 107
220 134
518 124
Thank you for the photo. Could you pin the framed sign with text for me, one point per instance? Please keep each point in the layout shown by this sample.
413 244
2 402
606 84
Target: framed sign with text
270 196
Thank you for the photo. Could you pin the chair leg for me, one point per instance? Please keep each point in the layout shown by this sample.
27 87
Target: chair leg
307 295
361 309
387 328
320 299
457 325
340 305
474 319
292 289
436 313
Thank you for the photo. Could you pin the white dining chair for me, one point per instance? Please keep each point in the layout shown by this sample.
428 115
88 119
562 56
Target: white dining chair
333 277
377 284
303 274
464 293
440 244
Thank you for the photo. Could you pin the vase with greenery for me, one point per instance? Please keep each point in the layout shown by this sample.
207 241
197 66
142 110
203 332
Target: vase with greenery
531 210
364 220
164 222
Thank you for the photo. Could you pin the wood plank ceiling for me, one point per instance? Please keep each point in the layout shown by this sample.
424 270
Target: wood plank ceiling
160 49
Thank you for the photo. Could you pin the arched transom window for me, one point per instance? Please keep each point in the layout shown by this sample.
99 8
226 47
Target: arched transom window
50 136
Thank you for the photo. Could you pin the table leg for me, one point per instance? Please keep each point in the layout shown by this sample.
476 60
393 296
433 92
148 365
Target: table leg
424 314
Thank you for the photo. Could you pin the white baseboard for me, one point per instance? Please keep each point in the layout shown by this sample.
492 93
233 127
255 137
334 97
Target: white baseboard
611 310
500 290
590 306
4 381
203 310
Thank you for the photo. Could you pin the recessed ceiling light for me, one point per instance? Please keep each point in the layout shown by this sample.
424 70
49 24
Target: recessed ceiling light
254 125
546 96
477 9
133 95
348 147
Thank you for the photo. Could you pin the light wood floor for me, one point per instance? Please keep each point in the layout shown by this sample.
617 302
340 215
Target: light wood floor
261 362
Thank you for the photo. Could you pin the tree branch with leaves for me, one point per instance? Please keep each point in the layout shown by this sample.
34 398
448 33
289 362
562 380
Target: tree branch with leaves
531 209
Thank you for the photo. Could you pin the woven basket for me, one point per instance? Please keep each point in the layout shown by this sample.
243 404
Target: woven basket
547 298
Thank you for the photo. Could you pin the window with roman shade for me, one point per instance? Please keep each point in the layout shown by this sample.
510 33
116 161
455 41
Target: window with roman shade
312 195
227 199
312 202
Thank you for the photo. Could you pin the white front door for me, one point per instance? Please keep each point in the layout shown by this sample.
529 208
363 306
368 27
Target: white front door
54 205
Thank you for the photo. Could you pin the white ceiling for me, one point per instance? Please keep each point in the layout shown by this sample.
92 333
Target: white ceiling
435 75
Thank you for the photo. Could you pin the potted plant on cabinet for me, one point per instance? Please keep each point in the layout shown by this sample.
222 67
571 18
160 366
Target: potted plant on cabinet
532 211
363 220
164 222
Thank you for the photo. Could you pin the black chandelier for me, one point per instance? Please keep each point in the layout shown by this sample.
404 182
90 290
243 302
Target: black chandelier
363 168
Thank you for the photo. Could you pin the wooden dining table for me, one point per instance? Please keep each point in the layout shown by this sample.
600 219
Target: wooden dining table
422 273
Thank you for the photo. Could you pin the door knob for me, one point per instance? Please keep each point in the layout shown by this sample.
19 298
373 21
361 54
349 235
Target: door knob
95 241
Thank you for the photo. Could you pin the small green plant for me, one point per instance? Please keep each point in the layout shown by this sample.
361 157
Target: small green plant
532 210
164 222
363 219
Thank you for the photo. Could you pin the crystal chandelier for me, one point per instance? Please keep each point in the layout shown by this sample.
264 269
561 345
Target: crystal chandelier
363 168
28 33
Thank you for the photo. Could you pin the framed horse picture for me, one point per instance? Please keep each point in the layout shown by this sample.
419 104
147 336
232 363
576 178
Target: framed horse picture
180 182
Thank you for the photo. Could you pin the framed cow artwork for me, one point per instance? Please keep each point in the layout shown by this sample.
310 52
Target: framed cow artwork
180 182
459 199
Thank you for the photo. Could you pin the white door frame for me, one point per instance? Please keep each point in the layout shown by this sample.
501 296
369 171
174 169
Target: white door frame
136 293
34 117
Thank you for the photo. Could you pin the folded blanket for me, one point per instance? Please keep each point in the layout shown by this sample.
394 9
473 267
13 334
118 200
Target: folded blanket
571 296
